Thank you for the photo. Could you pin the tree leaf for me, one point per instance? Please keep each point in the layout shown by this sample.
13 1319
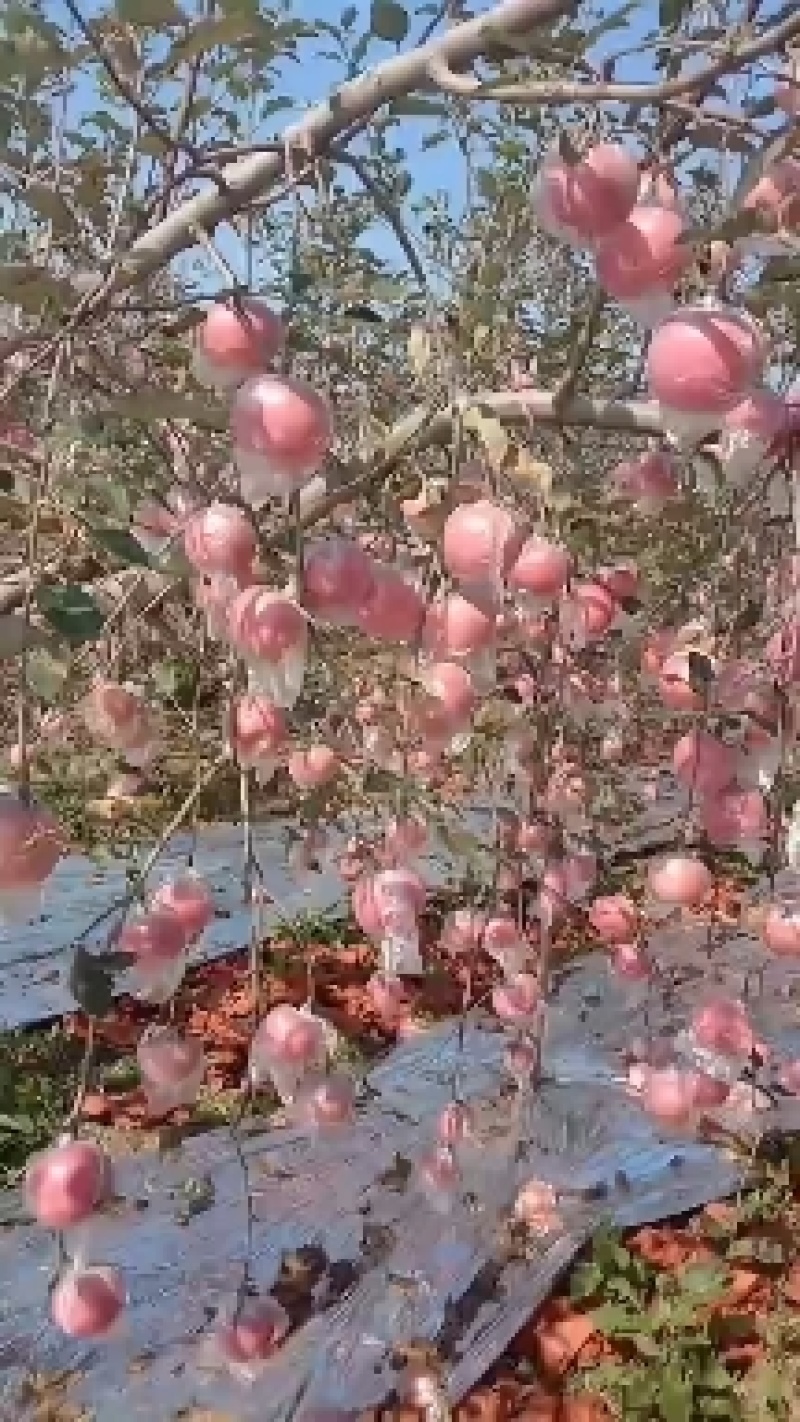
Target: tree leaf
46 675
419 349
671 12
72 612
360 311
389 21
16 1125
91 983
617 20
223 30
120 543
156 14
701 672
491 434
402 435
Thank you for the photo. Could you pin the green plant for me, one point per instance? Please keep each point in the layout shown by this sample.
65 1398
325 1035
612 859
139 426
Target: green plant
38 1076
663 1326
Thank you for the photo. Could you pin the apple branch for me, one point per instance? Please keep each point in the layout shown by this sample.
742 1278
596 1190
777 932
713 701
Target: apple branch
354 102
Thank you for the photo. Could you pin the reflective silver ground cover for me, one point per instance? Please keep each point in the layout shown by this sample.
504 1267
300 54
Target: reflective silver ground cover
416 1270
35 956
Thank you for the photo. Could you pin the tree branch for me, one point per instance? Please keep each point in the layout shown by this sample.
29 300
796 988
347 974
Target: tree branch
557 91
327 121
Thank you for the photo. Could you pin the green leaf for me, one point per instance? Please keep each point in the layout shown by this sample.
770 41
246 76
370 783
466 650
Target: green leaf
46 676
412 106
617 1321
389 21
676 1395
361 312
121 544
72 612
155 13
701 672
671 12
91 983
224 30
176 681
703 1281
17 1125
617 20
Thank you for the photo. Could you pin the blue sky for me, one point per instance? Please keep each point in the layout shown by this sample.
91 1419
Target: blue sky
442 167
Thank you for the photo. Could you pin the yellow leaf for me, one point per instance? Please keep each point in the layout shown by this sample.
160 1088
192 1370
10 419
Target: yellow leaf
420 349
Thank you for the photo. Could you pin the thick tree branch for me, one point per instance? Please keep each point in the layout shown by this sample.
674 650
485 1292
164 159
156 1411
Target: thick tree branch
514 407
557 91
353 102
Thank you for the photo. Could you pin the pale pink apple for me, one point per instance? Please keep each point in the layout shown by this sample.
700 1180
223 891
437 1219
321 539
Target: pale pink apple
255 1332
669 1097
735 819
587 613
781 930
590 198
680 880
504 942
289 1046
704 763
650 481
31 845
220 540
444 710
518 1000
338 581
189 898
439 1177
173 1068
282 431
327 1103
749 431
394 610
118 717
313 768
387 906
722 1026
237 340
259 734
88 1301
480 544
270 633
614 918
455 1124
66 1184
154 936
630 963
643 259
541 571
701 363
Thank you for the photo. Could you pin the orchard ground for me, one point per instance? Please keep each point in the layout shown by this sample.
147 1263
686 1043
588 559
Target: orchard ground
695 1318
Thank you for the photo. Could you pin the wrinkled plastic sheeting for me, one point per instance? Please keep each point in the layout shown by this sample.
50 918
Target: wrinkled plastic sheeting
35 957
179 1231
